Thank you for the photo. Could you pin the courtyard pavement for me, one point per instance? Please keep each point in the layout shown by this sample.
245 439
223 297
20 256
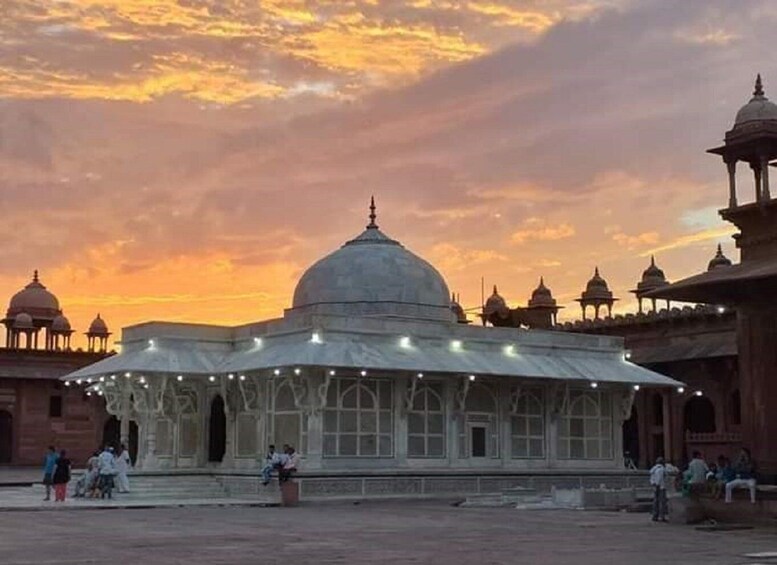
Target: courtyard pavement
371 532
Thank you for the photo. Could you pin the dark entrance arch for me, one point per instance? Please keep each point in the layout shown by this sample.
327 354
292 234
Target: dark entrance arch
112 436
6 436
217 441
699 415
631 438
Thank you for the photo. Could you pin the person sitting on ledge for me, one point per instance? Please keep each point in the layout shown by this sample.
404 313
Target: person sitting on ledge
744 473
272 461
290 465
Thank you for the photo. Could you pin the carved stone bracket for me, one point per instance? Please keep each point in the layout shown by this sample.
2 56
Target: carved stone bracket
559 399
299 388
410 391
322 391
461 395
515 396
627 403
249 394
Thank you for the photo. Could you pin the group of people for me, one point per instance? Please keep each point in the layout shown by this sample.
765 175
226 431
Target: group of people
718 479
106 468
722 477
285 463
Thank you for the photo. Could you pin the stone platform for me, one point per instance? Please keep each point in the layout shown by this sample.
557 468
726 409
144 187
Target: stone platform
696 509
204 487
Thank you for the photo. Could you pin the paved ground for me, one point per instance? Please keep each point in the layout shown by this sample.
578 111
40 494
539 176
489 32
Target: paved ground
372 532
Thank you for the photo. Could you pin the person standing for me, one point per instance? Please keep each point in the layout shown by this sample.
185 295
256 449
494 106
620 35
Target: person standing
123 465
61 477
697 473
49 464
658 482
107 469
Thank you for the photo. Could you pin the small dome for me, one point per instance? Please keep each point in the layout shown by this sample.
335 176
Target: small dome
35 300
597 288
458 311
98 327
542 296
652 278
373 275
495 303
23 321
719 260
60 324
758 109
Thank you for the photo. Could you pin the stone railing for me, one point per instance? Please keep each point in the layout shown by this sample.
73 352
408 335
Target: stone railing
713 437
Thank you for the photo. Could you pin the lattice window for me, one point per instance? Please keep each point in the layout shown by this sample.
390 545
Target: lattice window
358 419
426 422
585 431
527 426
286 423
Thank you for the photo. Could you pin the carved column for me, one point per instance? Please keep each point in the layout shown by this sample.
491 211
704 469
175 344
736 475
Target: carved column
765 191
732 183
757 176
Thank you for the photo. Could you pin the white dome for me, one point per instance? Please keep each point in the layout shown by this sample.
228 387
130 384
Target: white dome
373 275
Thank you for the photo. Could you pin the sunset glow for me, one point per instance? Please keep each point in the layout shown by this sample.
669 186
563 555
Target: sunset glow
174 160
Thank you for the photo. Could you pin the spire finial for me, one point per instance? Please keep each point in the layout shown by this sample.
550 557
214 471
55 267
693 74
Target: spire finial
542 281
596 271
35 275
373 216
495 291
652 260
759 87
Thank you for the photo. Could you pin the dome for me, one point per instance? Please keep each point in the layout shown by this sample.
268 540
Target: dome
758 109
597 288
719 260
23 321
541 296
652 278
60 324
458 311
98 327
495 303
35 300
373 275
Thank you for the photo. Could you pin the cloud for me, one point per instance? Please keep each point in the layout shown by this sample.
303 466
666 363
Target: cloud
692 239
215 149
536 229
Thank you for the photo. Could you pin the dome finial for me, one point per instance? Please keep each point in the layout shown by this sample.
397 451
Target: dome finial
35 276
652 260
759 87
373 216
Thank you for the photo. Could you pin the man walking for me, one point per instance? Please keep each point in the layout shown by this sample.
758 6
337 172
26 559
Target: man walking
49 464
658 482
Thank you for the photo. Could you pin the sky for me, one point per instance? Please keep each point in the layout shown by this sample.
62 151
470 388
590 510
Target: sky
188 159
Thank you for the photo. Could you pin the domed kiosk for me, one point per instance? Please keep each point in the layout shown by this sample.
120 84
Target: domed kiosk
370 370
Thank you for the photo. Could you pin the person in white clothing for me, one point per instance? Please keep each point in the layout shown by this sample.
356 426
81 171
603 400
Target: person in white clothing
107 469
658 479
123 465
744 476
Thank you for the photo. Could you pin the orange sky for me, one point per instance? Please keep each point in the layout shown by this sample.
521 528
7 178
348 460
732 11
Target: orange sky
187 160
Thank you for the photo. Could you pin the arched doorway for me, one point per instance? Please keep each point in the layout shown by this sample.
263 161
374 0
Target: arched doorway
217 441
631 438
112 436
699 415
6 436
